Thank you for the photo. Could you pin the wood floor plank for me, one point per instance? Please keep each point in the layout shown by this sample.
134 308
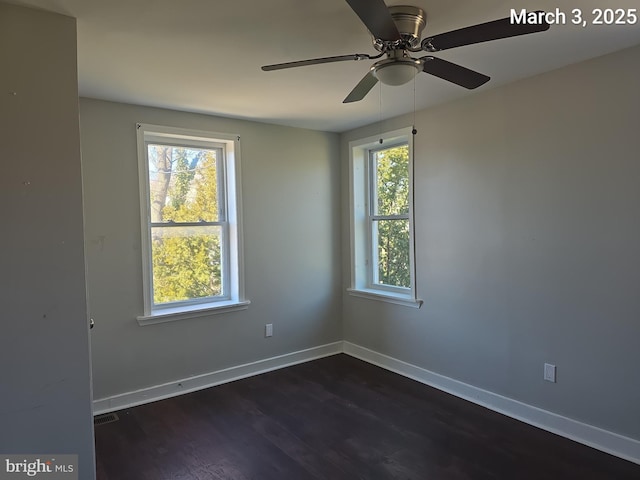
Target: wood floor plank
336 418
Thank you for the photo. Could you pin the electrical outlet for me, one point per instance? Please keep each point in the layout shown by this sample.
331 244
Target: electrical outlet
550 372
268 330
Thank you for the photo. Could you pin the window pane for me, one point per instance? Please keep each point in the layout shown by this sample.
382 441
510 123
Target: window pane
186 263
183 184
391 182
393 252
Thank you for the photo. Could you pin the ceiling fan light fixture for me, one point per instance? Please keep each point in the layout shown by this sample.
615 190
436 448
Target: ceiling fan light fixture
396 72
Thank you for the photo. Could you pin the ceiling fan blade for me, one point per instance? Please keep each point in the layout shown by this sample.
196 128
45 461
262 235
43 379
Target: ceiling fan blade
453 73
360 91
376 17
483 32
315 61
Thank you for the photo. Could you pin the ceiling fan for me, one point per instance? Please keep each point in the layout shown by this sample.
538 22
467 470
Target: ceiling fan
396 33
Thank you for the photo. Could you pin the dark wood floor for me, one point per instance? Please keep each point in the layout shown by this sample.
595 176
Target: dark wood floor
336 418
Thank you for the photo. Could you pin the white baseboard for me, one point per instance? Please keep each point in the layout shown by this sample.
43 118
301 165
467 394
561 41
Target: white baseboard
199 382
609 442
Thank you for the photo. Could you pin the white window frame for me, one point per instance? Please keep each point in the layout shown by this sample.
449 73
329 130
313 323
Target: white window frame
363 251
233 295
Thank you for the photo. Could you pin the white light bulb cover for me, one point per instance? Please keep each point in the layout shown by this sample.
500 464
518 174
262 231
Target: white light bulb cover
397 72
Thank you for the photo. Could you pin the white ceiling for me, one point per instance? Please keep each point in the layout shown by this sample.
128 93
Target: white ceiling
205 55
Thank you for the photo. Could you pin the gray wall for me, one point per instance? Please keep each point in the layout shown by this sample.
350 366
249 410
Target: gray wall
45 389
291 201
528 243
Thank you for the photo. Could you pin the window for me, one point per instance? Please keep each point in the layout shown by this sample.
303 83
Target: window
382 245
189 195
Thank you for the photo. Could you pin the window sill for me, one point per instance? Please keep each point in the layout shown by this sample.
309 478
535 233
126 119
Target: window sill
383 296
192 311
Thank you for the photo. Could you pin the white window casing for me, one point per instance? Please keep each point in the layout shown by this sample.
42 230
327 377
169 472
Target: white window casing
228 221
363 218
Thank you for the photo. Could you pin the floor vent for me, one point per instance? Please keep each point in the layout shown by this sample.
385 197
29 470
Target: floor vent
106 418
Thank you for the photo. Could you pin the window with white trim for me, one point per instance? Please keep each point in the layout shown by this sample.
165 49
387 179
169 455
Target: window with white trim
190 212
381 200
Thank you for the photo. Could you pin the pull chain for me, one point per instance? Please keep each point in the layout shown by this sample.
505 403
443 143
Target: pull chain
380 112
414 131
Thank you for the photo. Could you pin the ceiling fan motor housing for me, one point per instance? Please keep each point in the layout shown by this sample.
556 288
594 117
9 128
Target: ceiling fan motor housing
410 21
